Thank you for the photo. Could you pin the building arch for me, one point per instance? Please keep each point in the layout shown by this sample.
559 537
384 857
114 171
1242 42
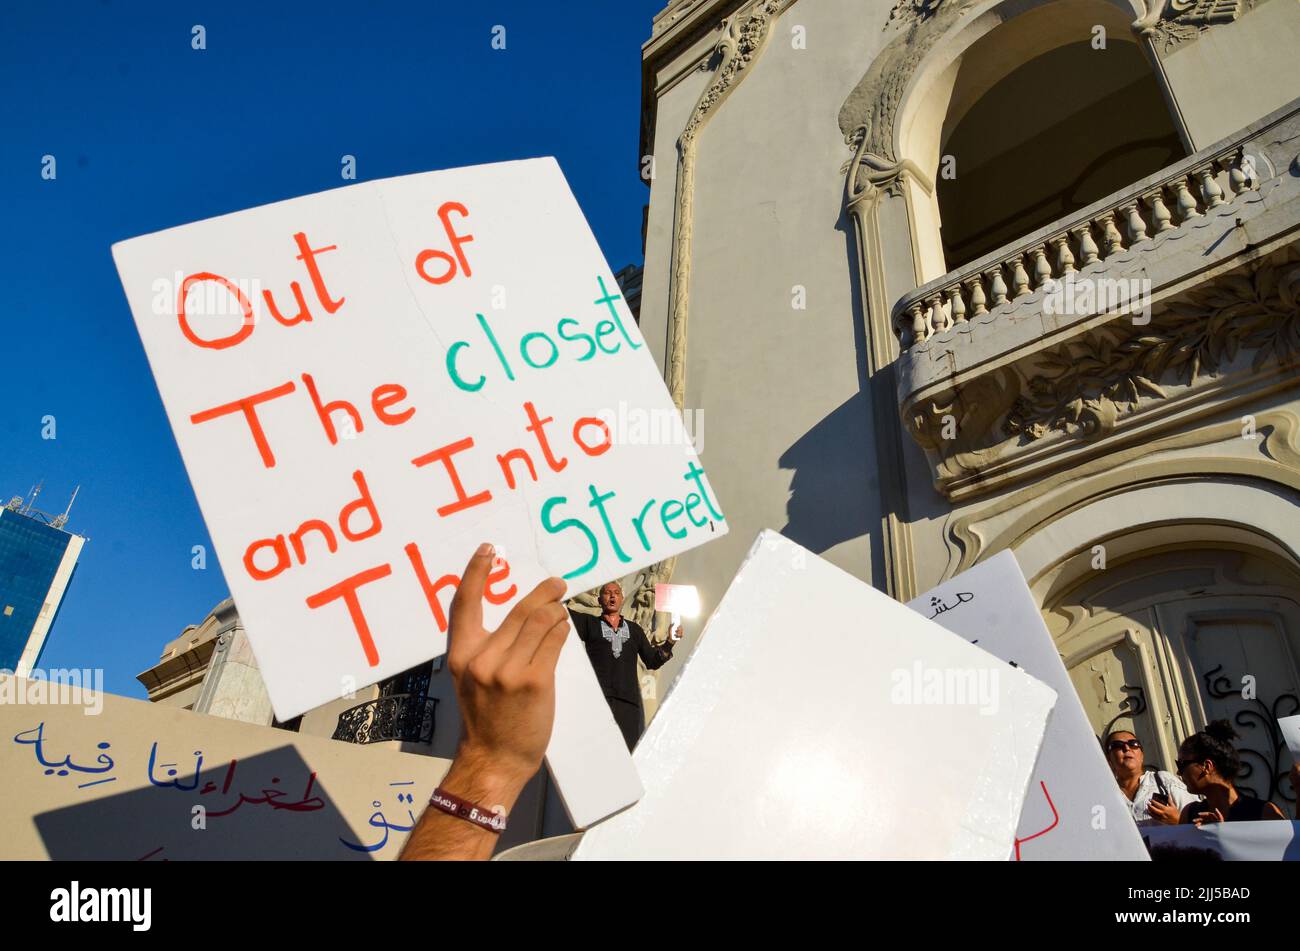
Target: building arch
948 100
1165 598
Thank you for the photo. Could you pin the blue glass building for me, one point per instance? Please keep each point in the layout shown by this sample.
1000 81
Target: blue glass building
37 560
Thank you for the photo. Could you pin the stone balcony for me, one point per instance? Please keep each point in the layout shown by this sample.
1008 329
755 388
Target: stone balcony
1172 298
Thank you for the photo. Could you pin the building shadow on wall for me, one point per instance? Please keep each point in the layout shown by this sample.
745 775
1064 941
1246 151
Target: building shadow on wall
832 488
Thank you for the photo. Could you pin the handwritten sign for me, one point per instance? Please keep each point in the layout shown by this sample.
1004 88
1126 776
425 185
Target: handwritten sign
366 383
146 781
1074 809
787 737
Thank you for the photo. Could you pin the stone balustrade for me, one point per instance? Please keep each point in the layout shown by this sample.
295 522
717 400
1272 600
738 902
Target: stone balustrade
1123 221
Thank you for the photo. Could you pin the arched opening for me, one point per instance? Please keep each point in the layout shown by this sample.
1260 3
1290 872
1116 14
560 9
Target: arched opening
1025 116
1172 637
1054 135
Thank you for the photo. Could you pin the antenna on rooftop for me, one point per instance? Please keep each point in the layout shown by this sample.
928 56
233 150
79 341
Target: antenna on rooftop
61 520
31 499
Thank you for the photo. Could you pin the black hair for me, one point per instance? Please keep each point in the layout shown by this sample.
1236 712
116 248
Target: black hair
1214 743
1105 740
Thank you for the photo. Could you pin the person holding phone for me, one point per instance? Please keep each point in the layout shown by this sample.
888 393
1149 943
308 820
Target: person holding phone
1209 762
1157 797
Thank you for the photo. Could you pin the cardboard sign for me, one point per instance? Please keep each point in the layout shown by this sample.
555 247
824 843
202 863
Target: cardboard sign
153 782
1074 809
367 383
819 718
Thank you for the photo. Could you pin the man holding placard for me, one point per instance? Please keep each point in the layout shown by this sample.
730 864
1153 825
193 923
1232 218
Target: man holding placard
613 645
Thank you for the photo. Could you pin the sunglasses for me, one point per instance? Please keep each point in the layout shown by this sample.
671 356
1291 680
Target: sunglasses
1118 746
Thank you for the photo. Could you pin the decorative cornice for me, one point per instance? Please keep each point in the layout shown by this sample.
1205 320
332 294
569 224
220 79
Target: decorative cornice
1276 459
1084 385
1082 390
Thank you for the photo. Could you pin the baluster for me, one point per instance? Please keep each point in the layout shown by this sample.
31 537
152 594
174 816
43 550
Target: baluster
997 286
1042 267
1110 233
978 303
1186 201
1019 279
1137 228
938 319
956 306
1161 219
1087 247
1064 257
1211 193
1238 180
918 323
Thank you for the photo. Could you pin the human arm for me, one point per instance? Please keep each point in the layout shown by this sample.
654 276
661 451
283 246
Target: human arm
505 687
652 655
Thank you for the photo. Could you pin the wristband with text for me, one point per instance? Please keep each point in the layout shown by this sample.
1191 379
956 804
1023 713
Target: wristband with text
469 811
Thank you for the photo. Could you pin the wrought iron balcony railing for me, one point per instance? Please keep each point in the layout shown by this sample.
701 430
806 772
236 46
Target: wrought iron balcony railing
405 718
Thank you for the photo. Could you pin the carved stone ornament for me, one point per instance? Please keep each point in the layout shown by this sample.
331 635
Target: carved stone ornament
868 116
1085 386
1174 22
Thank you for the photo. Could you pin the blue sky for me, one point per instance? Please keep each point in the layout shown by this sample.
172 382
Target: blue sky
149 133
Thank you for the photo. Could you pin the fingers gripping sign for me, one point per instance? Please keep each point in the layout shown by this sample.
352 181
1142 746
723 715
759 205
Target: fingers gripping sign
505 679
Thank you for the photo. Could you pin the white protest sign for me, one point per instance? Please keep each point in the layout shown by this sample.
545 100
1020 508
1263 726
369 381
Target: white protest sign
1291 735
367 383
679 601
1074 809
799 727
149 781
1270 841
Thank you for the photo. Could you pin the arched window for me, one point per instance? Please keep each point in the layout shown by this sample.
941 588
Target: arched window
1049 110
1053 135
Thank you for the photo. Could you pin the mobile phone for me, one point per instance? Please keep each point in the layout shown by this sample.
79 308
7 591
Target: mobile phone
1160 798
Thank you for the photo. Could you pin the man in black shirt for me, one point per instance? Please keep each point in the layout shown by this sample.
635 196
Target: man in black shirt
614 643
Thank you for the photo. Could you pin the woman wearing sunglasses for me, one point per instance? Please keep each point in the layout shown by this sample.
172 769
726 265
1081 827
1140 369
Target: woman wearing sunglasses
1208 763
1157 797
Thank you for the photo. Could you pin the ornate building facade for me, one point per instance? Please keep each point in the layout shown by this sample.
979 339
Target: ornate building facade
953 277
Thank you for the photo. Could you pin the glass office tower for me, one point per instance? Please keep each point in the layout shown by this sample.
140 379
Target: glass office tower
37 559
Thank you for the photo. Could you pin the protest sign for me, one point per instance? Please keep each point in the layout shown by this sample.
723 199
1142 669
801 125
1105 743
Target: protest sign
1074 809
367 383
154 782
819 718
1269 841
678 601
1290 727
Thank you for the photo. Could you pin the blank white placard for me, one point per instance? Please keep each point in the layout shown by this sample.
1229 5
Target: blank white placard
788 735
1074 809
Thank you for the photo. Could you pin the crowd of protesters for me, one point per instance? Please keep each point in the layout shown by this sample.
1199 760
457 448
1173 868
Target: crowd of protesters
1202 790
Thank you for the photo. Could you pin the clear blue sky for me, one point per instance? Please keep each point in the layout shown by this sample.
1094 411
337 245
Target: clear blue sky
149 133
